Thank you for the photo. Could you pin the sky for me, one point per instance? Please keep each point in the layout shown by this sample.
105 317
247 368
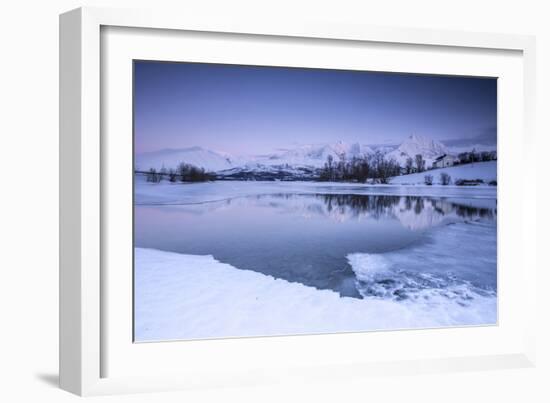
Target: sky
253 110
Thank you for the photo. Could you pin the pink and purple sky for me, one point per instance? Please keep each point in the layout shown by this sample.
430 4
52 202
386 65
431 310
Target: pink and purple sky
257 110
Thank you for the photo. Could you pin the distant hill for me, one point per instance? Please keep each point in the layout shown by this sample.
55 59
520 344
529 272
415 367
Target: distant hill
171 158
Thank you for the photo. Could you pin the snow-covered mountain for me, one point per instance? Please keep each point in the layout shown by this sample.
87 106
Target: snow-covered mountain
314 155
302 160
170 158
306 156
429 149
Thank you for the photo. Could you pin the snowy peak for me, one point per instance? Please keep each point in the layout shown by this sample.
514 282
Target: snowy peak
315 155
429 149
422 145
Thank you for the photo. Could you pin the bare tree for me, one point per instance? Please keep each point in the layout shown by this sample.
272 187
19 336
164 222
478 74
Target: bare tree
363 169
485 156
360 169
409 165
474 156
162 173
464 157
191 173
153 176
172 176
445 178
342 171
327 172
420 163
183 170
330 167
428 180
387 169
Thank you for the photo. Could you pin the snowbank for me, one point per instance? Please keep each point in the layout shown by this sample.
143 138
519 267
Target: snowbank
191 297
486 171
428 271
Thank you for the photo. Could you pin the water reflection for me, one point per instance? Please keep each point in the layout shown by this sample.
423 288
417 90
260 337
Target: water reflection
414 212
303 238
379 206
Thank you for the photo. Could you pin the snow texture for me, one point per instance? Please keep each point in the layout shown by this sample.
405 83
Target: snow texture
486 171
413 145
194 297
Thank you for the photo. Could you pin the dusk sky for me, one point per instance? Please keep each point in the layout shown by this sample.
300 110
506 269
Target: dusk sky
246 110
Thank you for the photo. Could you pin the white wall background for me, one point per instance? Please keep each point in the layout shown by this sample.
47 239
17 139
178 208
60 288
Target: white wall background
29 186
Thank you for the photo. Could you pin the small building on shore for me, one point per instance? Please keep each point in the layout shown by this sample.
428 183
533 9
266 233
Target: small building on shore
443 161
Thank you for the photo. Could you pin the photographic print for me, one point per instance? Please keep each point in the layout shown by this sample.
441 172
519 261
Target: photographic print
284 201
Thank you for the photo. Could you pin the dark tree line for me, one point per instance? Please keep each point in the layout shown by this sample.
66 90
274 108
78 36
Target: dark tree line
357 205
418 164
153 176
379 206
359 169
184 173
444 178
474 156
190 173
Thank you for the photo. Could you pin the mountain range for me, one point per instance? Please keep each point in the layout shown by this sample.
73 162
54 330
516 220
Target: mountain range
302 159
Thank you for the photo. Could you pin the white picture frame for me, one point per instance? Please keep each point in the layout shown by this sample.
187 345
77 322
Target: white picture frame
86 334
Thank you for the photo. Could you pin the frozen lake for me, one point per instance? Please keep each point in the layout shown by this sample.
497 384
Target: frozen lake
358 245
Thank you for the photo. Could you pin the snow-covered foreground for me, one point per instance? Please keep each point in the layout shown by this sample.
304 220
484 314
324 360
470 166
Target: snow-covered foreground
486 171
166 193
189 297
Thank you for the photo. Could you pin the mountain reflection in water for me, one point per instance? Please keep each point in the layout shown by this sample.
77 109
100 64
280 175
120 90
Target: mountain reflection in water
306 238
